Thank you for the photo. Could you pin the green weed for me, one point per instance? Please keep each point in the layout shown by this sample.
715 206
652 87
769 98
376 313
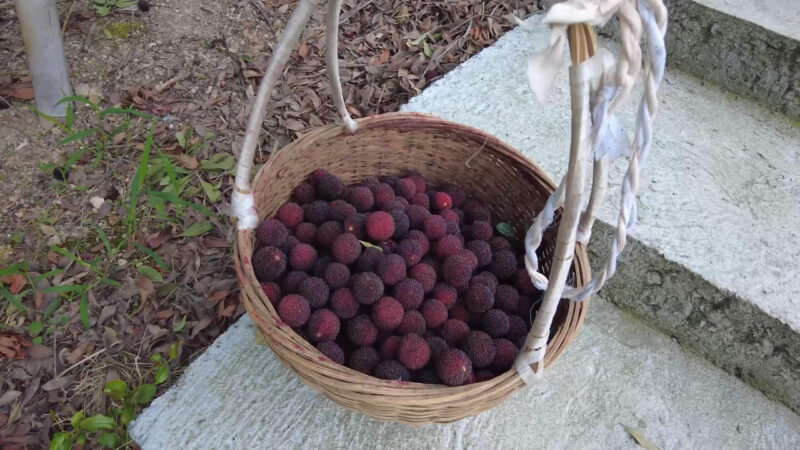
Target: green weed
105 7
111 430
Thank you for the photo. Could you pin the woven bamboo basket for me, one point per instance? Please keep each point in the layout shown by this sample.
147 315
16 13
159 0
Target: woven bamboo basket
443 152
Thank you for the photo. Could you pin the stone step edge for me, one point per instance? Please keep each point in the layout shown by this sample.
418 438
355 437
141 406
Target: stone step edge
728 330
739 55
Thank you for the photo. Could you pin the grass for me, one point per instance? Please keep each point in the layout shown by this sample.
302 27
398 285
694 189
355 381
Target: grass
106 7
169 190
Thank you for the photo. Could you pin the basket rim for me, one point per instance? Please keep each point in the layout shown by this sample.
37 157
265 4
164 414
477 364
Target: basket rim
281 338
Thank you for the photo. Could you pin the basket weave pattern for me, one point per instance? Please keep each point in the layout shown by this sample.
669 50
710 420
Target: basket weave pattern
391 144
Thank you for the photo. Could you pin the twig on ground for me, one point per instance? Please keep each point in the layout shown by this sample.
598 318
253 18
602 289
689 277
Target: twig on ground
346 16
66 20
167 84
262 10
85 359
55 353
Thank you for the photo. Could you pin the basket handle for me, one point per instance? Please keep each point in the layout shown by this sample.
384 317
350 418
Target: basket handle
582 44
592 87
332 62
598 85
242 200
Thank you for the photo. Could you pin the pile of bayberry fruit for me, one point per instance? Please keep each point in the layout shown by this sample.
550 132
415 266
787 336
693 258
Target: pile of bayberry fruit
397 278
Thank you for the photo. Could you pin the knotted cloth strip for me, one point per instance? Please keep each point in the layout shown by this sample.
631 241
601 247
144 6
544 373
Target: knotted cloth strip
243 207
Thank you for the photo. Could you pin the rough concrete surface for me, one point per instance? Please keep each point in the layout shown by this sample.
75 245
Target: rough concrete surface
720 200
780 16
728 330
618 371
750 47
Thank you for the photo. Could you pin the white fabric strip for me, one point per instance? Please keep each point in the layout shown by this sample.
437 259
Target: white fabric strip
244 209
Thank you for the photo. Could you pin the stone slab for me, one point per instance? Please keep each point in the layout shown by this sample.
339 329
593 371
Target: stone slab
780 16
618 371
718 206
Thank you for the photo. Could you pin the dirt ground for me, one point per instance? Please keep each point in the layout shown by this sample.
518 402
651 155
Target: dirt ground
193 65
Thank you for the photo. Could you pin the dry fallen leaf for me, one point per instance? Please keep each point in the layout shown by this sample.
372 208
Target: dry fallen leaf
9 397
384 58
146 289
11 345
156 331
109 339
40 351
200 326
15 413
188 162
16 282
57 383
353 111
163 314
226 311
294 125
212 242
48 230
304 50
38 299
154 240
404 14
217 296
22 93
77 353
106 313
640 439
220 99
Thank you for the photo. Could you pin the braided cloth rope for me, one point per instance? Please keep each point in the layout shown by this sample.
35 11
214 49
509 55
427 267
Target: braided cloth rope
600 84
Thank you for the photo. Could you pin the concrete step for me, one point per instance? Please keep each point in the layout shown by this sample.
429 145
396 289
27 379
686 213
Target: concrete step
617 372
715 258
749 47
